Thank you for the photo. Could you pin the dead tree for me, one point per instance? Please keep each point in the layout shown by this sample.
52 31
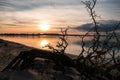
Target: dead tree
25 59
102 54
62 44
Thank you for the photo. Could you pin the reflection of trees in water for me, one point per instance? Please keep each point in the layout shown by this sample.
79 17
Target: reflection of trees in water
88 43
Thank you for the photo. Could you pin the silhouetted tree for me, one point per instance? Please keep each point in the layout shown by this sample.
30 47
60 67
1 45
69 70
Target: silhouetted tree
99 60
61 44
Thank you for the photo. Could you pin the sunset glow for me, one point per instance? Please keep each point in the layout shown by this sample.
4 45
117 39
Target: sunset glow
44 26
34 16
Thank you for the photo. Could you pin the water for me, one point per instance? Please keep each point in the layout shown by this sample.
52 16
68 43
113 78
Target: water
39 42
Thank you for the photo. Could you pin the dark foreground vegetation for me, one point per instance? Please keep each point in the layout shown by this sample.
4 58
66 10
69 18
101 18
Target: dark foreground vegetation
100 61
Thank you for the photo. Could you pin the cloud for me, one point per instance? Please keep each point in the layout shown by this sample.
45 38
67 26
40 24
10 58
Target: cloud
59 12
112 3
19 5
104 26
116 1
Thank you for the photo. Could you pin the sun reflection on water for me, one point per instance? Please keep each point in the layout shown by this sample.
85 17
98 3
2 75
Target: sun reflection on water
44 42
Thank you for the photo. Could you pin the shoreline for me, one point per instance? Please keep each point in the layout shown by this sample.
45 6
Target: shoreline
26 47
42 68
12 49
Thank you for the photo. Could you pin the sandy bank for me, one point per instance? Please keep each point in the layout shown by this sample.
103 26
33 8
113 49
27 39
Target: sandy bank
8 50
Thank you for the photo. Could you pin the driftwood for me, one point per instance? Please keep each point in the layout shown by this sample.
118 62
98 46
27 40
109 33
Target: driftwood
25 58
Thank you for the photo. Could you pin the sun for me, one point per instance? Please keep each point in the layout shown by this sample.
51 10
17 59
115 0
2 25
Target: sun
44 26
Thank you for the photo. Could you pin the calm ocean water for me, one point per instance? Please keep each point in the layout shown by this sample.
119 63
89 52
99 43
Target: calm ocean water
39 42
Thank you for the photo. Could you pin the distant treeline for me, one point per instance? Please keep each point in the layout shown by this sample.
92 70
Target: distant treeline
38 34
25 34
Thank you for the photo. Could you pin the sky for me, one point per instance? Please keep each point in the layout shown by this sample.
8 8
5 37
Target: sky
25 16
